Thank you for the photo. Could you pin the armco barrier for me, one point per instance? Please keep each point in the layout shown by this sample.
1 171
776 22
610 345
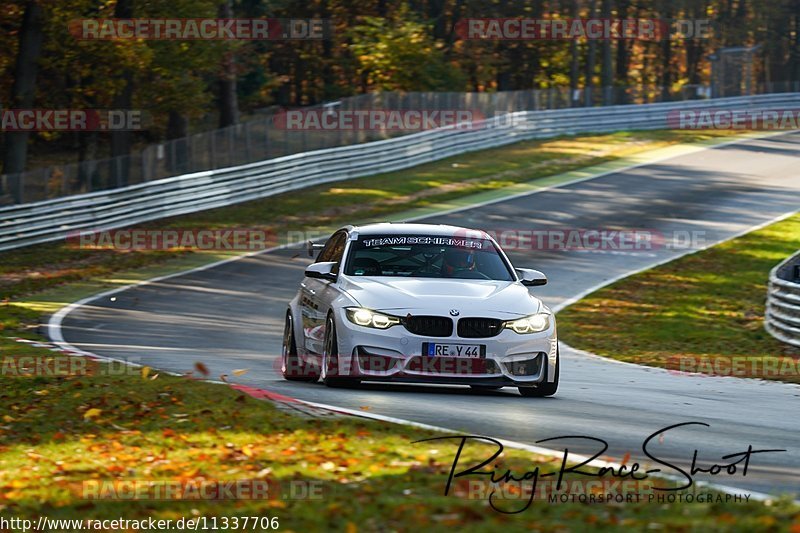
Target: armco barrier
51 220
782 319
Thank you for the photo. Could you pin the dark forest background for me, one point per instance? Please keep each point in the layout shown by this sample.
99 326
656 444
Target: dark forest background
375 45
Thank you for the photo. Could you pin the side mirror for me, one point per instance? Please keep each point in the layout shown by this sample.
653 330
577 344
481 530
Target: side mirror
322 270
530 277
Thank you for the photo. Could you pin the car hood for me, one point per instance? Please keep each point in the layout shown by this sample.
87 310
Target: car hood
437 296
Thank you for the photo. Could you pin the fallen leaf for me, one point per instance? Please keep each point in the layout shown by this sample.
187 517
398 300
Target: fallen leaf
241 372
92 413
203 369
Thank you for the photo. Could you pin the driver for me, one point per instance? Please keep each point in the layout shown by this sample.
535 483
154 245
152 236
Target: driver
456 260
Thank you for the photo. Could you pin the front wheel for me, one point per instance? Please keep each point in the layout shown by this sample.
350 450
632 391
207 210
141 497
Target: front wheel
546 388
292 368
330 359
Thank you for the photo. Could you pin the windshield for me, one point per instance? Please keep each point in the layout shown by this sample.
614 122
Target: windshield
426 256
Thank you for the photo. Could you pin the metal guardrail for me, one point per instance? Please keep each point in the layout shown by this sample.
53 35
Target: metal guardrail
259 137
51 220
782 319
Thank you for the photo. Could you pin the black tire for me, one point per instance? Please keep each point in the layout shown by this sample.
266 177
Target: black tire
330 358
546 388
291 367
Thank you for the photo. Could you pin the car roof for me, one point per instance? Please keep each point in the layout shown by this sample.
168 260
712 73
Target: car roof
408 228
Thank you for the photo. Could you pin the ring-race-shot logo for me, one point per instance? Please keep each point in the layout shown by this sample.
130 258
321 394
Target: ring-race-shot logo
200 29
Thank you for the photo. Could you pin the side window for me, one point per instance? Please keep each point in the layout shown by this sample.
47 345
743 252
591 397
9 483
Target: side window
337 250
334 249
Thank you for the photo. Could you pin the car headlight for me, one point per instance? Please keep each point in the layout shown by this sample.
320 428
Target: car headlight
370 319
530 324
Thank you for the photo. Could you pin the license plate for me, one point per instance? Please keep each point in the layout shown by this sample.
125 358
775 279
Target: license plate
466 351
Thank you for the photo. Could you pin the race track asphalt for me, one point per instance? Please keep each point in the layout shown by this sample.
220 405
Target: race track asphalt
231 317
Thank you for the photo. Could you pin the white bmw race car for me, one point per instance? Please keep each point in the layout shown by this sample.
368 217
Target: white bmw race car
420 303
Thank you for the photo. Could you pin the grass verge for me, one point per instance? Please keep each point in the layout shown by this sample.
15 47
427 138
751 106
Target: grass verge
703 312
79 444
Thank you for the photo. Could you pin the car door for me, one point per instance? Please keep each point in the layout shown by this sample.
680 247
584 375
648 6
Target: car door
317 294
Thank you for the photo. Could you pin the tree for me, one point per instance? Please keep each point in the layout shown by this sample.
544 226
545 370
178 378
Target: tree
607 76
122 140
574 67
23 92
666 56
623 55
401 56
590 58
228 102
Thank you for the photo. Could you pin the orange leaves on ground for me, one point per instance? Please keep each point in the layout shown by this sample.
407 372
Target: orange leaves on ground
116 468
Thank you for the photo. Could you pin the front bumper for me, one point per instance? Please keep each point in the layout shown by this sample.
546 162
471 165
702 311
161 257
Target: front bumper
395 354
